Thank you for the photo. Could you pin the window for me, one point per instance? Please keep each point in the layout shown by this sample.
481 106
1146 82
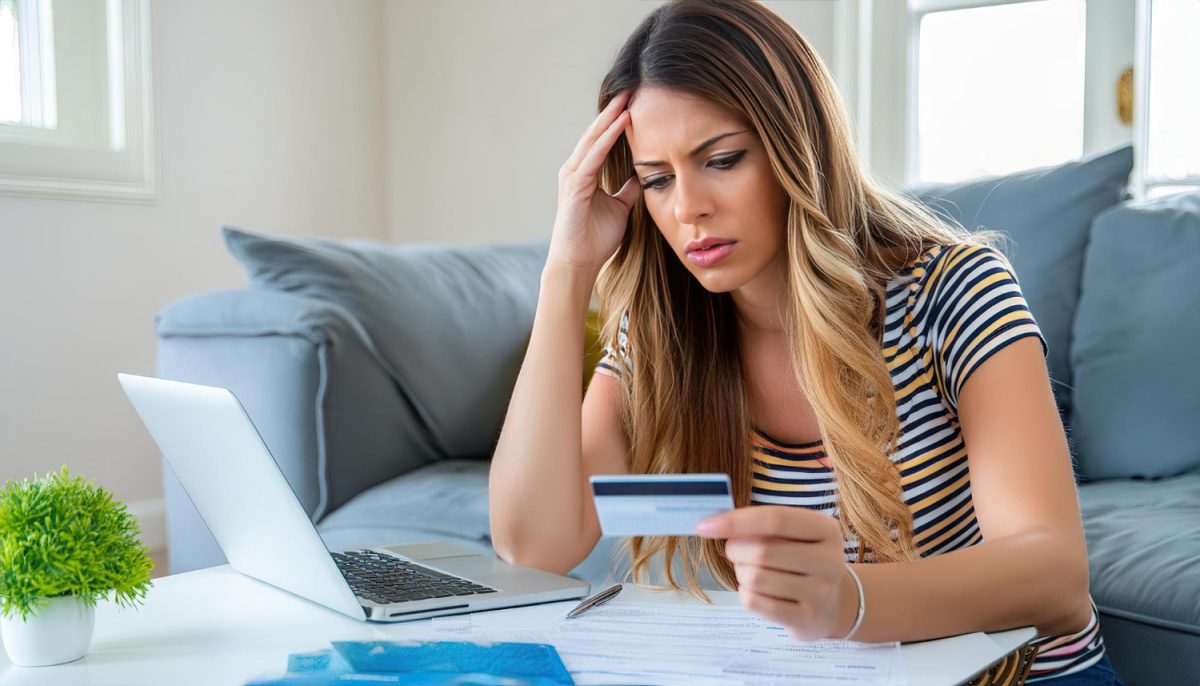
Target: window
10 64
930 81
944 90
75 99
984 108
1169 97
27 66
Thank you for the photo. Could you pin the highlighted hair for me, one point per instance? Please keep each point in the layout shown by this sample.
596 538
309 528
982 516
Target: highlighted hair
685 407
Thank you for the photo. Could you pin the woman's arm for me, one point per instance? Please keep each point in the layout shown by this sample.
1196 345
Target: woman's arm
540 503
1030 569
535 504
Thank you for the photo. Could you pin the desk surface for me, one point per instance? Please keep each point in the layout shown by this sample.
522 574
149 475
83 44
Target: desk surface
215 626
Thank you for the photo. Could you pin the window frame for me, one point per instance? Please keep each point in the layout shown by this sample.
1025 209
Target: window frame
66 162
917 10
1142 183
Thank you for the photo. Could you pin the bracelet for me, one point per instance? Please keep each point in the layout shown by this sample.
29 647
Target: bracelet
862 603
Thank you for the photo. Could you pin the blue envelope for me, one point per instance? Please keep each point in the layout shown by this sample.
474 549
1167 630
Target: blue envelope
425 663
524 660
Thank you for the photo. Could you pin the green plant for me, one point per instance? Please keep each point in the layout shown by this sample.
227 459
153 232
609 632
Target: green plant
60 535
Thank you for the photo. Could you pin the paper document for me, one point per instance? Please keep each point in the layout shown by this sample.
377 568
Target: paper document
685 644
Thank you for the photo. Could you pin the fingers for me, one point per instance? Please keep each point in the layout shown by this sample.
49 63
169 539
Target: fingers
801 619
777 610
785 585
785 556
805 605
590 166
795 523
602 123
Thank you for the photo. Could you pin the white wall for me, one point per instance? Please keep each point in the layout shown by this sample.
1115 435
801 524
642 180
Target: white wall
268 115
485 101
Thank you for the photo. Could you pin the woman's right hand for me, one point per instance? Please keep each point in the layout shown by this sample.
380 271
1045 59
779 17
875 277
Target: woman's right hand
589 223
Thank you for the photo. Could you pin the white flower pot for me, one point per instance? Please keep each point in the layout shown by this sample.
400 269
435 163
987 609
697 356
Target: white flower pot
60 631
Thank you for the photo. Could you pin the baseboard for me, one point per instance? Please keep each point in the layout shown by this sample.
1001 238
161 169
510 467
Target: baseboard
152 522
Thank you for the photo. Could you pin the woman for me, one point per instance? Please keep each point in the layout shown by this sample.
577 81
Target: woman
948 498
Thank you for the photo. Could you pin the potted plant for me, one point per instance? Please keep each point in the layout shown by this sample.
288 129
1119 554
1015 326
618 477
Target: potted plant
64 545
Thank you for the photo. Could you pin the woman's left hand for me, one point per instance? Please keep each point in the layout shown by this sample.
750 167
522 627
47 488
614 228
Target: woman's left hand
791 568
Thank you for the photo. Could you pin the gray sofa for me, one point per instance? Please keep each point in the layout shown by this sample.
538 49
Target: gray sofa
379 376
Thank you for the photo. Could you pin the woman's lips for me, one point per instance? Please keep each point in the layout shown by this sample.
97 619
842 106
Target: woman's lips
710 256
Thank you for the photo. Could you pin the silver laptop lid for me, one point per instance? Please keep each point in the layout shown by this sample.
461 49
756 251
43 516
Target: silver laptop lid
218 456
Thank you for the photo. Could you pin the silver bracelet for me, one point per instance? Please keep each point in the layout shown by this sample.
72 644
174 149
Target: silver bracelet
862 603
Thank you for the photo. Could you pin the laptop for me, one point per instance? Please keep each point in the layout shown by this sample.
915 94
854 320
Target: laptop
222 462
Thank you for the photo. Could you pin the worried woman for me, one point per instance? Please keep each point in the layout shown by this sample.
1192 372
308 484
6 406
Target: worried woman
869 376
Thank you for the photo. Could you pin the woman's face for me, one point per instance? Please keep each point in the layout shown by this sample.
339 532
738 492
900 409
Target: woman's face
705 175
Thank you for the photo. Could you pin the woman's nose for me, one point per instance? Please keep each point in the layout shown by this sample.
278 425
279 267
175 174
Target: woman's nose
692 201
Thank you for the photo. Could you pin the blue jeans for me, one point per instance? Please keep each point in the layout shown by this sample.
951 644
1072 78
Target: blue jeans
1099 674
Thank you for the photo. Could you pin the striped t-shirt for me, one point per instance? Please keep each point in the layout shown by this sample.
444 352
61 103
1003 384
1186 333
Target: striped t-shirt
947 312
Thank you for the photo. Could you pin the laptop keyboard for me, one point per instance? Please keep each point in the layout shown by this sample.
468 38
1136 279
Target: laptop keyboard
389 579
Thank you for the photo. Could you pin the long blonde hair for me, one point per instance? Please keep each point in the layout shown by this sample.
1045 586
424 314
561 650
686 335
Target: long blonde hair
685 407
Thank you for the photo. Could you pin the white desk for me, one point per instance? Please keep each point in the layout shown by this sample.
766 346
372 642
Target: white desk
215 626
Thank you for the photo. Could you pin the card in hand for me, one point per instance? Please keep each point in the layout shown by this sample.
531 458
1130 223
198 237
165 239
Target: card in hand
658 504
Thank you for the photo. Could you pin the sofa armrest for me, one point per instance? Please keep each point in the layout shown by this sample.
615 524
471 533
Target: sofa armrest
309 377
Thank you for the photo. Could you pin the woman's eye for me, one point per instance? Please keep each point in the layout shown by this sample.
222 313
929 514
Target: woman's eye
726 163
720 164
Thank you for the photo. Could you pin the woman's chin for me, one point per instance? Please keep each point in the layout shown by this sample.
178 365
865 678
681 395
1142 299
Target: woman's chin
717 281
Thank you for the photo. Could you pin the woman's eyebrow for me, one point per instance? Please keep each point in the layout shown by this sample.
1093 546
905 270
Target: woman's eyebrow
699 149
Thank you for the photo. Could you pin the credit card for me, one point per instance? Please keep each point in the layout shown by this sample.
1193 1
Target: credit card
658 504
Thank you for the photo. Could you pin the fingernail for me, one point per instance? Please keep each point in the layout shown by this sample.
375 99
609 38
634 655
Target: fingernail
706 527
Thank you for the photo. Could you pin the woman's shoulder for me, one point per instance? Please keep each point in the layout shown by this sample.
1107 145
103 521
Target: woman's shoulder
939 262
969 251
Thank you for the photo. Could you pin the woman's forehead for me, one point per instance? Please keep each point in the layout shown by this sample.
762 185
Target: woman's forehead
672 122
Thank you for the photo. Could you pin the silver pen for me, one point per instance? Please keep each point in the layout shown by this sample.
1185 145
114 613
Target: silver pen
595 601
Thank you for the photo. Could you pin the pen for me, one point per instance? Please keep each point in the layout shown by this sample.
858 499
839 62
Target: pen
594 601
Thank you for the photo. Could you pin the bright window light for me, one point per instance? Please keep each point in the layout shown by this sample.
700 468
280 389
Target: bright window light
1174 117
10 64
999 89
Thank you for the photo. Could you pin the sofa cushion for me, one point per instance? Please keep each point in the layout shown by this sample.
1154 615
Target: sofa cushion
1046 212
445 501
1137 408
1144 549
449 323
1150 655
332 418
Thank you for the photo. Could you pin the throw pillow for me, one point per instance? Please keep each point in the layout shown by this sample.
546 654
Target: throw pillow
450 324
1137 409
1046 212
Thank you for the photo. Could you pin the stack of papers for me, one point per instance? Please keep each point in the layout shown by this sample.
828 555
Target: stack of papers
663 644
683 644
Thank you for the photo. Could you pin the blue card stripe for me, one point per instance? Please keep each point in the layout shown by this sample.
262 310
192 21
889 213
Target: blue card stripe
660 488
